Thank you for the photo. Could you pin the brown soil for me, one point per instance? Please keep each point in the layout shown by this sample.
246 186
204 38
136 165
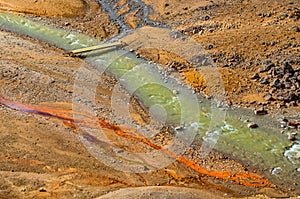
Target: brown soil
51 7
43 158
238 35
81 15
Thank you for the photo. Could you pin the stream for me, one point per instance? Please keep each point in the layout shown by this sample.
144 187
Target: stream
192 117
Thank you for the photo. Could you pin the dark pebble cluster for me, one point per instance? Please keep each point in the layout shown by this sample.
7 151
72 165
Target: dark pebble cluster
283 81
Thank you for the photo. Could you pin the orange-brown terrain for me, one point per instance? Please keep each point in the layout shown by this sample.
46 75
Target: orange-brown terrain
255 46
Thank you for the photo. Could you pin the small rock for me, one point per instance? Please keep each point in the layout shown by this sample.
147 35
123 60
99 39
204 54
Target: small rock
273 90
293 124
281 105
287 85
276 170
261 111
283 16
255 76
287 77
206 18
273 71
292 136
252 125
287 68
279 75
268 97
246 121
285 120
42 190
267 65
209 47
175 92
264 81
290 96
295 14
120 151
276 83
178 128
291 104
296 28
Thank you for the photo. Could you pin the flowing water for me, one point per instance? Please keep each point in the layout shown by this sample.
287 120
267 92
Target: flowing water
192 116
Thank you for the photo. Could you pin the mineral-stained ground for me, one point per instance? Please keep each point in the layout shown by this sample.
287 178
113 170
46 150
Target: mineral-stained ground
255 46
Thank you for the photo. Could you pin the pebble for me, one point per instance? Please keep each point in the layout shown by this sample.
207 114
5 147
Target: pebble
178 128
287 77
267 65
252 125
276 83
284 15
285 120
206 18
292 124
276 170
292 136
264 81
287 68
209 47
246 121
287 85
120 151
296 28
268 97
255 76
42 190
260 111
175 92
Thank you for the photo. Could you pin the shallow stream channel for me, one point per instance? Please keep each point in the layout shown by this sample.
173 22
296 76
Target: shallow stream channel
192 117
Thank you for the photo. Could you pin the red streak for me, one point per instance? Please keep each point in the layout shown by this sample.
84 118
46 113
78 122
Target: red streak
246 179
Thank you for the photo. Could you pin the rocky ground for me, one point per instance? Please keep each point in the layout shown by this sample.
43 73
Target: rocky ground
254 44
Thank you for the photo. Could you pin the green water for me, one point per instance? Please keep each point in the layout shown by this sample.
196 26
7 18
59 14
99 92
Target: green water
262 147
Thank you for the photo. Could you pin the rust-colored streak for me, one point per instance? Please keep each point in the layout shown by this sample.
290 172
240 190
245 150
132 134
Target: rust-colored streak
128 134
246 179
